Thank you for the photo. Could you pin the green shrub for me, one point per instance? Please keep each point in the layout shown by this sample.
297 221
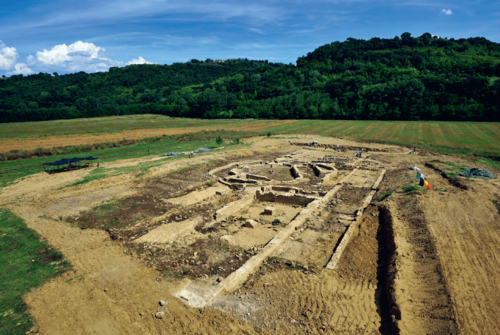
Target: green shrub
409 188
385 195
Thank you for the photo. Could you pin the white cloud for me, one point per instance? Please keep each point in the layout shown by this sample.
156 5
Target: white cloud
446 12
62 53
139 61
21 68
79 56
8 56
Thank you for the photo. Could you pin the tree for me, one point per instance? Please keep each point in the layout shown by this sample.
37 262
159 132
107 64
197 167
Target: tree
219 140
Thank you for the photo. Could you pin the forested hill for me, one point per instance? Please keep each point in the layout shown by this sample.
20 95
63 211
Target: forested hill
404 78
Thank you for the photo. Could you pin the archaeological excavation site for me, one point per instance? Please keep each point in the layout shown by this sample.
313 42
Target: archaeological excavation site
280 236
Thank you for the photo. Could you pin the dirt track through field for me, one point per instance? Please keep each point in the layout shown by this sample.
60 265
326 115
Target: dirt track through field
48 142
444 274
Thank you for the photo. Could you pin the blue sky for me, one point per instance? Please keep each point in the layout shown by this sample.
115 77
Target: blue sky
92 35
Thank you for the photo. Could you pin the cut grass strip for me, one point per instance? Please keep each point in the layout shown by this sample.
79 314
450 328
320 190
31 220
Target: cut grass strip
25 262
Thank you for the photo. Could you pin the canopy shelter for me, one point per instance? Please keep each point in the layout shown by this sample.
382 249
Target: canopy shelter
72 163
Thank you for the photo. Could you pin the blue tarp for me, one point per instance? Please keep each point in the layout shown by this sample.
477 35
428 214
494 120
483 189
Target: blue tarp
69 160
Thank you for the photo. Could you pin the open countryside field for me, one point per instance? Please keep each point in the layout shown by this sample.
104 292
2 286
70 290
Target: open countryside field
256 238
483 137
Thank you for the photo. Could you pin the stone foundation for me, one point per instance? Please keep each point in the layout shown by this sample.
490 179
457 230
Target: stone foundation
288 199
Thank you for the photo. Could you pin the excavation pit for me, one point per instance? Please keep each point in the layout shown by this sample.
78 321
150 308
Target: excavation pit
273 171
364 178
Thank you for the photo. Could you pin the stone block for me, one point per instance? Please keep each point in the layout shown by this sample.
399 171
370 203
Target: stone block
269 211
250 223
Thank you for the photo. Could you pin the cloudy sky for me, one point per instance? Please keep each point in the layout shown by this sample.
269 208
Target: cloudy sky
93 35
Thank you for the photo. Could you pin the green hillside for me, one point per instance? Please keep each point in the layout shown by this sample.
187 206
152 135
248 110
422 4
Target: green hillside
404 78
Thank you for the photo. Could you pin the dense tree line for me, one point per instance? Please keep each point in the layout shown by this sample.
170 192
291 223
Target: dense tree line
403 78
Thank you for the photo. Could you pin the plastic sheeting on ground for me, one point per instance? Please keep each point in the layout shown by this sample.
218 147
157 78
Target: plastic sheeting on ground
199 150
172 154
65 161
477 173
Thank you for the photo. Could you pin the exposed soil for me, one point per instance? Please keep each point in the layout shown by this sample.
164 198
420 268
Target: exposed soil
416 298
202 259
150 201
426 263
279 173
349 199
289 296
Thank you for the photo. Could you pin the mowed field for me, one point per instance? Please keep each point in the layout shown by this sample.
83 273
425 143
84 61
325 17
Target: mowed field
50 134
479 136
484 137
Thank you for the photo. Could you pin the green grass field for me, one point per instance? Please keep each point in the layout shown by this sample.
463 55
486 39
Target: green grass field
484 137
479 136
25 262
113 124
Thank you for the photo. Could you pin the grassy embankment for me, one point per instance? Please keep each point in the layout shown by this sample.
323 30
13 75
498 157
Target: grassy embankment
25 262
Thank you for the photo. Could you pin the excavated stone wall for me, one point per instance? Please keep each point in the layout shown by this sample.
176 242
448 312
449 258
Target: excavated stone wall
296 173
234 207
257 177
296 189
241 181
288 199
342 147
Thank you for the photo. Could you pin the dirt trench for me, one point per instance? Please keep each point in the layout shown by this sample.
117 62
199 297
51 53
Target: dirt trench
418 297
